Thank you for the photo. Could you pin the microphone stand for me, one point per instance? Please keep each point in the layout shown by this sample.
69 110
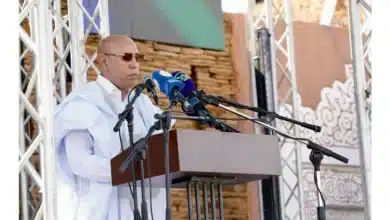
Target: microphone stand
139 153
269 116
316 155
127 115
191 106
165 122
141 146
142 143
215 123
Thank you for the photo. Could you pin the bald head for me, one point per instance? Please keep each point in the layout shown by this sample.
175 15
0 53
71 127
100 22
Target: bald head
111 43
117 55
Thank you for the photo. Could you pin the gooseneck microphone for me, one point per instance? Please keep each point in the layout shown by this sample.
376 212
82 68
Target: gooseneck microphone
151 88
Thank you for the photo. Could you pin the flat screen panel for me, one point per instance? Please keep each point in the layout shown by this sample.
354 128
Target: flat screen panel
197 23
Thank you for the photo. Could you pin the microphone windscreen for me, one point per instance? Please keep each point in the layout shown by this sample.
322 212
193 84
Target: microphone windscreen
150 83
149 79
166 83
189 85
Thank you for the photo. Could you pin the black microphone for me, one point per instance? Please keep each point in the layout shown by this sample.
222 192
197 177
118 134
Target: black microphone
151 88
197 108
194 107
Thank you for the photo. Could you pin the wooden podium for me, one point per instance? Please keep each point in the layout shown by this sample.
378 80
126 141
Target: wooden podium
204 158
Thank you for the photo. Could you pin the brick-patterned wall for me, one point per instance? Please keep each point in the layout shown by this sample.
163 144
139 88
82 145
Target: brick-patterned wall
214 73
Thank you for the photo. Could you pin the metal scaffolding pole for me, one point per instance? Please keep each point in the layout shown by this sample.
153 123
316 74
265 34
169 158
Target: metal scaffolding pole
46 104
252 51
75 16
23 175
290 183
61 49
80 31
35 32
46 49
361 65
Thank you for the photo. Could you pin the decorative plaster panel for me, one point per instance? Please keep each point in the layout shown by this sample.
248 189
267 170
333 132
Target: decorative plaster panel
341 188
335 113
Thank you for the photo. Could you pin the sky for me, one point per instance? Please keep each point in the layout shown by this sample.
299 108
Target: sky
234 6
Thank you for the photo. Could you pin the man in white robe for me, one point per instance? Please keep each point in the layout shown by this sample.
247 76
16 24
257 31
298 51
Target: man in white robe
85 141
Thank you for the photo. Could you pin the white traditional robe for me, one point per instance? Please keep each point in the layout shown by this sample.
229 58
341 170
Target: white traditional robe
85 142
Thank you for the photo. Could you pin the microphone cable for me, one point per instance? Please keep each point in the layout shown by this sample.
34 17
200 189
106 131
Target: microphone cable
150 183
148 171
131 191
318 189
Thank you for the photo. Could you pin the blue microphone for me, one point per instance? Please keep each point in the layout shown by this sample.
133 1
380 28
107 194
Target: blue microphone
168 85
196 107
189 85
193 105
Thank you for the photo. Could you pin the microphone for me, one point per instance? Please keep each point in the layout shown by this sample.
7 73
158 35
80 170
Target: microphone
188 91
151 88
189 85
168 84
196 107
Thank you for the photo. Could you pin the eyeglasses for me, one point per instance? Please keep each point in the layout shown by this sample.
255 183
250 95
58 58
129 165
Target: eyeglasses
128 56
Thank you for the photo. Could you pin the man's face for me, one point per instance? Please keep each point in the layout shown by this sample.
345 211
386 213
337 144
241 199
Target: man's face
123 64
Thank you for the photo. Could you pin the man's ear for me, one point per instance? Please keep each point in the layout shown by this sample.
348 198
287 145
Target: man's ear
102 60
